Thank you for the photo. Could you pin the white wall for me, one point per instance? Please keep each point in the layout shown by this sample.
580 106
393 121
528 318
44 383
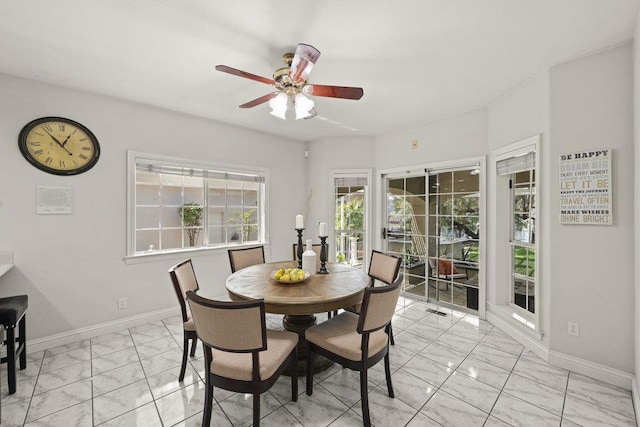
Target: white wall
519 114
458 137
71 266
591 107
325 155
586 271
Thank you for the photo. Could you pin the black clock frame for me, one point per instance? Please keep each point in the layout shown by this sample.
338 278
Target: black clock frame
22 144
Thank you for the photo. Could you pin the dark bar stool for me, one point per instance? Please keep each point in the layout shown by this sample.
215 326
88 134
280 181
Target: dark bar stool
12 313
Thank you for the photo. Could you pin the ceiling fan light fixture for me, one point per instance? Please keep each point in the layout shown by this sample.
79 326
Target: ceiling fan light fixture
291 83
304 106
278 105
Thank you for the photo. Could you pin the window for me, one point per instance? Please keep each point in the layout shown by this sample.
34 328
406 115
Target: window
520 169
177 205
350 195
523 239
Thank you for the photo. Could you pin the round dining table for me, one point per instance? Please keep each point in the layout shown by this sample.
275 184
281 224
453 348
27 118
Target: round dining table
342 287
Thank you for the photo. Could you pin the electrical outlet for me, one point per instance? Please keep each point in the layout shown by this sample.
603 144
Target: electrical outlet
122 303
573 329
414 144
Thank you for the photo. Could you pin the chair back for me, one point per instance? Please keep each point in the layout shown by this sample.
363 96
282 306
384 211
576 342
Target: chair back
384 267
245 257
378 306
183 278
233 326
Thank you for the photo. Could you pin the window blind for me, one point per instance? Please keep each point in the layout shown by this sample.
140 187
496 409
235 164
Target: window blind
198 173
515 164
350 181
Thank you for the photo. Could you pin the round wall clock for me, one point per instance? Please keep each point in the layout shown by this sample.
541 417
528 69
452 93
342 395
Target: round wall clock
59 146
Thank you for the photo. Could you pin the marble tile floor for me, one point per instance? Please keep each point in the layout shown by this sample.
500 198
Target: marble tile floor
447 371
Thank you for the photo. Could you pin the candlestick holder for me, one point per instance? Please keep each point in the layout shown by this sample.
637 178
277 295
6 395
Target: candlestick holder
299 230
323 255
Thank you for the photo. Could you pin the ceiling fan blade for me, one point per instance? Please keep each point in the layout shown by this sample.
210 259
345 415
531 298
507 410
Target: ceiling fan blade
303 62
244 74
260 100
334 91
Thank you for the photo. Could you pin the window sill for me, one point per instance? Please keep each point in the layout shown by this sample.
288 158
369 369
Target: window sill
506 315
183 253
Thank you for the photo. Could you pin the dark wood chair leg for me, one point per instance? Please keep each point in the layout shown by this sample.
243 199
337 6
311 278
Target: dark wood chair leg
22 330
364 397
194 342
310 356
256 409
294 375
208 403
393 342
185 350
387 372
11 359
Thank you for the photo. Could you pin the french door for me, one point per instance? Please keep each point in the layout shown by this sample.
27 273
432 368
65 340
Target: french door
432 222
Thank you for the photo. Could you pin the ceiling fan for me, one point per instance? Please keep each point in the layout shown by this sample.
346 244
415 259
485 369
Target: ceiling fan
291 84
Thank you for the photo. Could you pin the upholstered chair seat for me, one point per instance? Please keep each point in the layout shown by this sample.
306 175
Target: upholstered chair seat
189 325
341 337
239 365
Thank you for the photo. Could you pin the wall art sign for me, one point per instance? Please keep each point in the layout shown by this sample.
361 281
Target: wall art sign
585 188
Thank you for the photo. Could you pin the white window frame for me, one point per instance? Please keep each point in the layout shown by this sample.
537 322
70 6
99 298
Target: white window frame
134 158
513 311
353 173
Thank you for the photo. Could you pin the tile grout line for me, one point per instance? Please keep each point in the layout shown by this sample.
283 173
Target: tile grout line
24 421
502 390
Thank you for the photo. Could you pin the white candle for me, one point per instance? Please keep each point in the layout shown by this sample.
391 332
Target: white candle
299 221
322 230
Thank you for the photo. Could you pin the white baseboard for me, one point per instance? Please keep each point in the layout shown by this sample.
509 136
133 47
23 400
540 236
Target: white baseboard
575 364
591 369
68 337
634 393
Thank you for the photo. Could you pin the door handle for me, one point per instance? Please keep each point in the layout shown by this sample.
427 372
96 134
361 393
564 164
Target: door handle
384 233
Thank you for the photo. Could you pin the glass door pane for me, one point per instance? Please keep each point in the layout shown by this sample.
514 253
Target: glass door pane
433 224
406 230
350 223
454 237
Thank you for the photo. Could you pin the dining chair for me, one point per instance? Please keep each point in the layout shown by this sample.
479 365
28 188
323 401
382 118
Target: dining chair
245 257
241 354
384 268
357 342
183 278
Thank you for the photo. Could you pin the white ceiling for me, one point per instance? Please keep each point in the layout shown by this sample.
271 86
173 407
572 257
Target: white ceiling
417 60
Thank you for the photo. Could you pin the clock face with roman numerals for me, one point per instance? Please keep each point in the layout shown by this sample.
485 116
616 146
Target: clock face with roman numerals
59 146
